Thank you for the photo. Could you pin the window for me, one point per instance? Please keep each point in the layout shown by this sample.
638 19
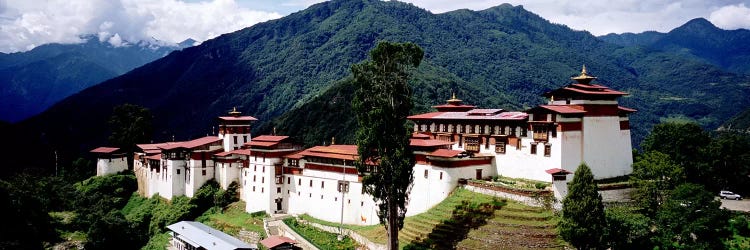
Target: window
244 138
253 188
254 178
262 190
425 173
322 184
178 171
500 147
321 196
553 131
518 144
523 131
299 182
513 131
540 133
472 144
235 139
547 149
310 183
441 175
255 168
288 180
204 172
558 177
263 179
278 190
264 169
533 148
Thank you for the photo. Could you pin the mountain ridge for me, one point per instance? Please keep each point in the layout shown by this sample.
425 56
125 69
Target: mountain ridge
502 57
36 79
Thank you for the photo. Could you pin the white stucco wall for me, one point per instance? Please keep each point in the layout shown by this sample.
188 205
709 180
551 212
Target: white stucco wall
428 192
105 166
607 149
228 141
197 178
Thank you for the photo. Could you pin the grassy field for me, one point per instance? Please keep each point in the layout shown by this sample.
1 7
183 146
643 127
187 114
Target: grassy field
234 219
465 221
319 238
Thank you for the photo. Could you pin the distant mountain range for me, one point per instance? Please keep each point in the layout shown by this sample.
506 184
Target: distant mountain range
699 38
293 74
32 81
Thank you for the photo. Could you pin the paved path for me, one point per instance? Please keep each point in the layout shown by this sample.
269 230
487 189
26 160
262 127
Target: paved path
740 205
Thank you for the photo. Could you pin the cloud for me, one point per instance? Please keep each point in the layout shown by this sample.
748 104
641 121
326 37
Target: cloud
731 17
26 24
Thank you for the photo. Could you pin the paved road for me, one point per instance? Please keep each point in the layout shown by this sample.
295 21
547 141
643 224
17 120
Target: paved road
740 205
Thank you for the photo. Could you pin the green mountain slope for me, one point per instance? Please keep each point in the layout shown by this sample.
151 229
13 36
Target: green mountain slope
503 57
698 38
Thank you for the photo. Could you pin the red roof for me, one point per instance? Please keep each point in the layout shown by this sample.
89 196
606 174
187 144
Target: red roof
154 146
154 157
555 171
626 110
343 152
586 89
192 144
416 135
428 143
238 118
562 109
260 143
446 153
468 115
275 241
104 150
274 138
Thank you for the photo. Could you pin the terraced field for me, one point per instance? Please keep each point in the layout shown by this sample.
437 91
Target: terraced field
515 226
460 222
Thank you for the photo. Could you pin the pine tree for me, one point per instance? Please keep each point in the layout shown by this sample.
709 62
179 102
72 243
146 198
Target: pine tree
583 221
382 101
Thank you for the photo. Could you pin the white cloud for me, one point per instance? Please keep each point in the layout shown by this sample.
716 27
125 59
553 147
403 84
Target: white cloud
731 17
25 24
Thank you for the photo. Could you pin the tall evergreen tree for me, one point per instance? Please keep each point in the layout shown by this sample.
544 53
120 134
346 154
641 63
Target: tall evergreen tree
382 101
583 221
130 124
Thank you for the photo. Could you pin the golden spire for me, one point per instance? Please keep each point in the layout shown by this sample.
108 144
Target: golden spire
584 77
333 140
234 112
454 100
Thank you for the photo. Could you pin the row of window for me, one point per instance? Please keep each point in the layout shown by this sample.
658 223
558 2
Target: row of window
547 149
475 129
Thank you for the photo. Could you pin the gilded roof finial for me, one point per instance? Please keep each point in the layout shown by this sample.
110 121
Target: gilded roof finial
584 78
234 112
454 96
333 140
274 130
454 100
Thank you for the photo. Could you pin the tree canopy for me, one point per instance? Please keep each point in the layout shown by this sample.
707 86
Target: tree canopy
130 124
382 101
583 221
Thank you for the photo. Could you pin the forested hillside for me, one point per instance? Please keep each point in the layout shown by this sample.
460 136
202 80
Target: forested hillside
502 57
698 38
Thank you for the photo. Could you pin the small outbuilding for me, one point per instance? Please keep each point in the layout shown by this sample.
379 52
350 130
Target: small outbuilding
279 243
192 235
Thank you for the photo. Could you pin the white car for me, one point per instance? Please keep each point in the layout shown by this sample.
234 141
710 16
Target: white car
729 195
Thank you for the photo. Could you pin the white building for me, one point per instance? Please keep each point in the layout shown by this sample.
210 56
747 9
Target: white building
109 160
582 122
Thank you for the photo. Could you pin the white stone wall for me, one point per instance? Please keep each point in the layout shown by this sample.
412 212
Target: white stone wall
197 178
227 172
105 166
428 192
228 141
606 149
325 202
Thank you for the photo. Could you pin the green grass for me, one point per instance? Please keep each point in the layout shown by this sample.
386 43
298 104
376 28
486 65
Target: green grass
233 219
319 238
157 242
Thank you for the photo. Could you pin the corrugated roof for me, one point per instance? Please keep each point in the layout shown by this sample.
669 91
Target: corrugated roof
562 109
238 118
236 152
104 150
428 143
446 153
271 138
557 171
208 237
254 143
344 152
509 115
275 240
192 144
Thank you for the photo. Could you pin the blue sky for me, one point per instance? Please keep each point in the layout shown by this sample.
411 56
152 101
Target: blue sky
25 24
